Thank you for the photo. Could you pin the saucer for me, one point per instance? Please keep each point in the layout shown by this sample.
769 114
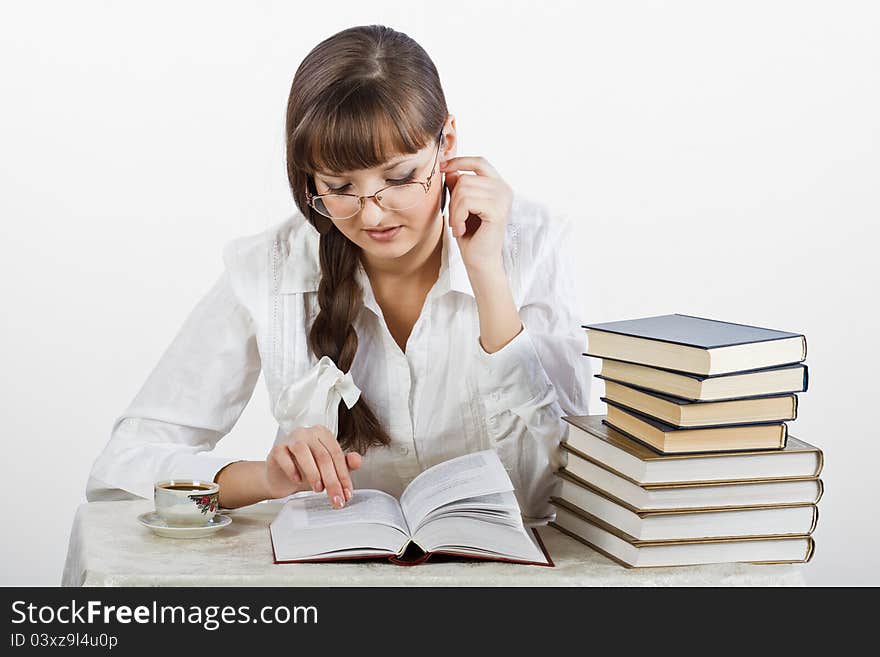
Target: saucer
155 522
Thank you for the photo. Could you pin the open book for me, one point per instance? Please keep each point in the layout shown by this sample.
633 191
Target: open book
463 507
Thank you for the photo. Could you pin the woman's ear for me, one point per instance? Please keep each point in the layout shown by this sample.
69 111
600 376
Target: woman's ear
450 140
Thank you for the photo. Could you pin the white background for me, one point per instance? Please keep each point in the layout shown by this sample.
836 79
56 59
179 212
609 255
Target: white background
718 159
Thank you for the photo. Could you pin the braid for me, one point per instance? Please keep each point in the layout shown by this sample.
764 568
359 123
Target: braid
340 299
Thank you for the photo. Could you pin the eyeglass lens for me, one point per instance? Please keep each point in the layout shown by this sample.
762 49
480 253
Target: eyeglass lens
397 197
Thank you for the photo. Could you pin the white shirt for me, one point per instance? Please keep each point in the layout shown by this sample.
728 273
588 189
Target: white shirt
444 397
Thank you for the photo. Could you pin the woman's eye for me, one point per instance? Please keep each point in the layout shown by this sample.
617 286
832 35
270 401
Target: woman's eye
407 178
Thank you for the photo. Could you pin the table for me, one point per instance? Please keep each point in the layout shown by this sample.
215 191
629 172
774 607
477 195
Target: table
109 547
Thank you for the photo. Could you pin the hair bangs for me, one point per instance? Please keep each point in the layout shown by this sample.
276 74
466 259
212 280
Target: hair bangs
365 128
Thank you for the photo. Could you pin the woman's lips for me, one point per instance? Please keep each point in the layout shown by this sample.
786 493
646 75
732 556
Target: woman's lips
383 235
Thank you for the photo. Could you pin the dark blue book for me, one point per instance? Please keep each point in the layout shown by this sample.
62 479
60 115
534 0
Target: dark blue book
695 345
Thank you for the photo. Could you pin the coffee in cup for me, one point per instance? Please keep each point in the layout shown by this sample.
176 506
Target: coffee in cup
186 502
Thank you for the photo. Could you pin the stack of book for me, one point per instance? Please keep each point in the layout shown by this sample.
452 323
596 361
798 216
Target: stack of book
693 462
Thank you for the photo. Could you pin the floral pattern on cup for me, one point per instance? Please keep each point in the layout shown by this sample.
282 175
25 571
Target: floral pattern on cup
206 503
185 502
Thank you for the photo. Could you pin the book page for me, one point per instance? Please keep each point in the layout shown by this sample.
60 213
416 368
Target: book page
365 506
463 535
500 508
463 477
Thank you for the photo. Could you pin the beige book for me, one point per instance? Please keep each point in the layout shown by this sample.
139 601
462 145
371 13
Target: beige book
680 413
682 524
658 497
643 465
776 381
668 439
632 553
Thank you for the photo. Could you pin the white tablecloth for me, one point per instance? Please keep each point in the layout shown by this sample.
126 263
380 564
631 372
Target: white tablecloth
109 547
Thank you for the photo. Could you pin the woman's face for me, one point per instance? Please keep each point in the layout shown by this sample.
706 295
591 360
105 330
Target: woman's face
407 229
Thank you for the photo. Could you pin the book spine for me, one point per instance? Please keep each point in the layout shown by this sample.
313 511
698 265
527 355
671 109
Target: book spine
815 519
811 548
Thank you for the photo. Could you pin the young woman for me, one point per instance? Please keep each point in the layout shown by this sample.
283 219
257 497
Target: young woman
440 334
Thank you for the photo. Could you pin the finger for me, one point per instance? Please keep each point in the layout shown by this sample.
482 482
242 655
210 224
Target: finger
332 445
455 180
285 461
328 474
355 461
458 211
302 455
465 206
451 180
478 165
469 180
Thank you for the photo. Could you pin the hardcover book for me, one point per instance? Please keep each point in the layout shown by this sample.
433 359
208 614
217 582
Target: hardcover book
695 344
680 524
633 553
693 387
641 465
685 414
464 507
660 497
671 440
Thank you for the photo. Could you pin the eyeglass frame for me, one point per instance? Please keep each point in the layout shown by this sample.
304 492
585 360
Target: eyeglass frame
310 198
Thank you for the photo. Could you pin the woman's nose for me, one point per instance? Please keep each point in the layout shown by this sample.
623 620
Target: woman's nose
371 214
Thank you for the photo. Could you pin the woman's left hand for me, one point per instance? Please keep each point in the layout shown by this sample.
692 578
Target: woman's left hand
478 211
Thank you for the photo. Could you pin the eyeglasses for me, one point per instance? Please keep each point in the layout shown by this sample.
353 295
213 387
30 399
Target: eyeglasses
398 196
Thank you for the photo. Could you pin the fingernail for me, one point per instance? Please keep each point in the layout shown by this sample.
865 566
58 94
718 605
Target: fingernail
347 494
317 487
337 502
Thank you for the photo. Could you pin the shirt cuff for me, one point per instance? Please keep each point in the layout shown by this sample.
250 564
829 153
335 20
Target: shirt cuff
200 465
511 376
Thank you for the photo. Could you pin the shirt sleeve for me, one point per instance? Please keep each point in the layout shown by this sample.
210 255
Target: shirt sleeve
539 376
192 398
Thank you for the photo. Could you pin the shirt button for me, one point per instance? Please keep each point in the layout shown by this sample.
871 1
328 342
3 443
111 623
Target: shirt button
403 450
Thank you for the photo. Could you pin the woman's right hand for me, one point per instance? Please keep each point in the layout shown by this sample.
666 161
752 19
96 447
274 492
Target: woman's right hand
310 458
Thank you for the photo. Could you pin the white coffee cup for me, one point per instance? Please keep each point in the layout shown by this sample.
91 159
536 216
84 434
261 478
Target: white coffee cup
186 502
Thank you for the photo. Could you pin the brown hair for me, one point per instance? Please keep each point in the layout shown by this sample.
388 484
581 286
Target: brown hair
358 98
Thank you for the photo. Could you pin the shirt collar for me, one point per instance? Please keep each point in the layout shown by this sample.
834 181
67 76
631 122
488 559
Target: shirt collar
458 276
301 270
